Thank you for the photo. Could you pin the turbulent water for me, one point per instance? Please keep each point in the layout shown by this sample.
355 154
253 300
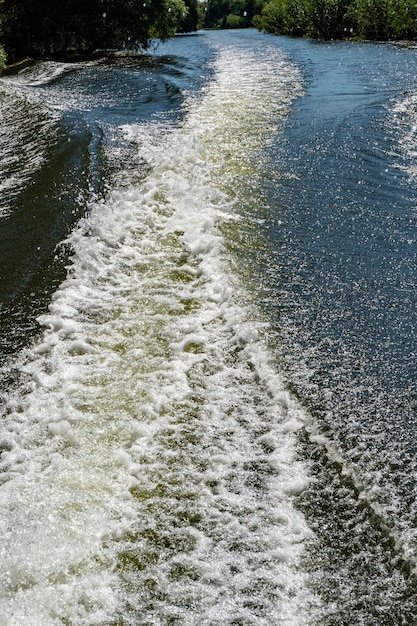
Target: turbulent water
208 265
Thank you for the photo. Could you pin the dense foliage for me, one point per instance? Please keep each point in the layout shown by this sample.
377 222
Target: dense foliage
326 19
51 28
192 20
365 19
231 13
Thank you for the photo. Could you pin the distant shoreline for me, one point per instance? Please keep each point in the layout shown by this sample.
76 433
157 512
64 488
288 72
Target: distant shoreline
15 68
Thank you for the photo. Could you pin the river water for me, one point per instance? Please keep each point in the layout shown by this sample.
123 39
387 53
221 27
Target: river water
207 334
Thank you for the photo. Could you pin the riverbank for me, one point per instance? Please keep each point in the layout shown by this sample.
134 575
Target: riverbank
15 68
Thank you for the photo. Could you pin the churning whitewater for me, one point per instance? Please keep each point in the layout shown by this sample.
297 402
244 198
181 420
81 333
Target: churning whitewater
149 460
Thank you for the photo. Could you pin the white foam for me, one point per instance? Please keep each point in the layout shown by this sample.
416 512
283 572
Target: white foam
404 118
150 470
43 73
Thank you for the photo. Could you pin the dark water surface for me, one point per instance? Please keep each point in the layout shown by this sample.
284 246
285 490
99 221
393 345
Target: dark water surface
342 294
207 332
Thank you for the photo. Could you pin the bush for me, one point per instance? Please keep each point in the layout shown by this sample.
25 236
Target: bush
233 21
285 17
336 19
328 19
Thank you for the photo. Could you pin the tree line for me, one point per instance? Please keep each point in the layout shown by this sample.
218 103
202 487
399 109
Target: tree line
323 19
53 29
337 19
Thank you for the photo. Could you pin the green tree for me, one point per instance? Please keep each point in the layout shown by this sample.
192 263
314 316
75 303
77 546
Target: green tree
402 19
336 19
273 18
328 19
285 17
191 20
231 13
43 28
215 13
370 18
233 21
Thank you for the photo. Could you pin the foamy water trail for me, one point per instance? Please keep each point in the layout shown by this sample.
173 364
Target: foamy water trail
149 470
404 120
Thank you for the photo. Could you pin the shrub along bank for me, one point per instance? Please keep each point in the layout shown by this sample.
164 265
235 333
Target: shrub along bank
324 19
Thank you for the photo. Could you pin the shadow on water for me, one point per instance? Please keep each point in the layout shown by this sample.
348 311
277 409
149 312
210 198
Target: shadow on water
41 216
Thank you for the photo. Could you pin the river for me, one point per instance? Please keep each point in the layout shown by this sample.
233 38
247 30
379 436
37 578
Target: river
207 336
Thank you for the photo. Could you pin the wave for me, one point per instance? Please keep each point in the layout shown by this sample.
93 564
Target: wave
26 133
150 466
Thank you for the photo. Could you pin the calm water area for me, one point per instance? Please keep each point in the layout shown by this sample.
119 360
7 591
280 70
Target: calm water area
207 336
